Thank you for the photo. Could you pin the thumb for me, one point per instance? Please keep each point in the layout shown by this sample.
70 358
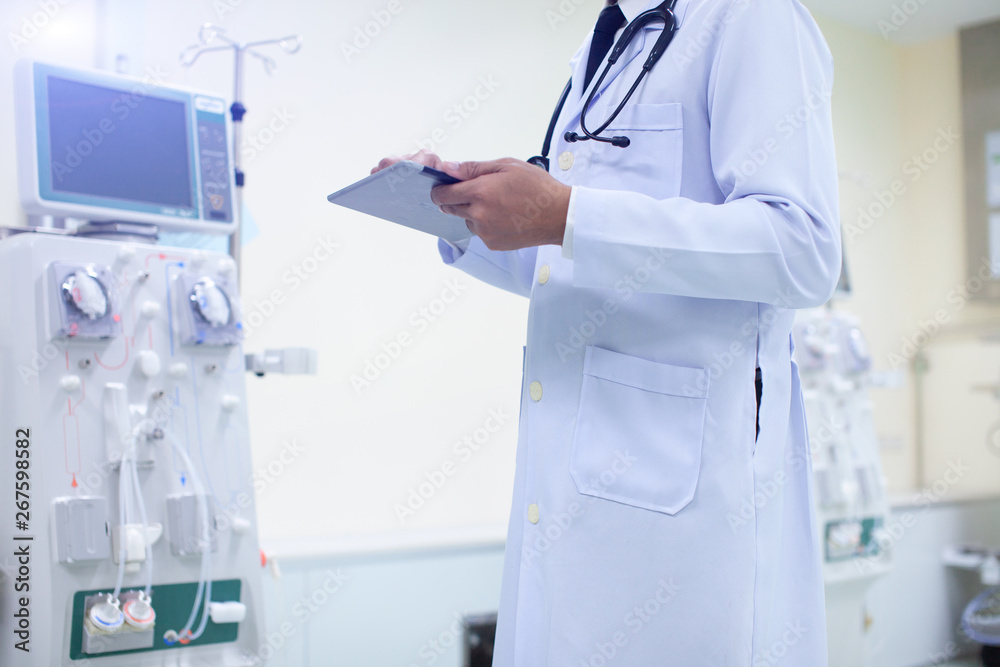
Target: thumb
465 171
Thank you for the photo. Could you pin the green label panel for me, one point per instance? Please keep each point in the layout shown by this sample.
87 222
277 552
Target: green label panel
172 603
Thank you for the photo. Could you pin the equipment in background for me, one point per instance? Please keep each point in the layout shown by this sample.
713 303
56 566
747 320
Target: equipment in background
99 146
131 538
852 504
479 635
207 35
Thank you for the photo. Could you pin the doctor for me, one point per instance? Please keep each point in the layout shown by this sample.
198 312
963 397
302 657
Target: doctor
662 509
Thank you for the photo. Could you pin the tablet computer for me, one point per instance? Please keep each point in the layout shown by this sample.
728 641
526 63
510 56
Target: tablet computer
402 194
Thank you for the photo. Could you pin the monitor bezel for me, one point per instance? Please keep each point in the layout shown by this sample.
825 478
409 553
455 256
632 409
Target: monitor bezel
38 199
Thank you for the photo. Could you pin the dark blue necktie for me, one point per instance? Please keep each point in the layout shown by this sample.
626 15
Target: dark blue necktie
610 22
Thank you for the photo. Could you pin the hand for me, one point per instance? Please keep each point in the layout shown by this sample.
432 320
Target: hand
423 157
507 203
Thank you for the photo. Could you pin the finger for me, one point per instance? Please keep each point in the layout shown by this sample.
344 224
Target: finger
458 210
386 162
452 195
426 158
458 194
465 171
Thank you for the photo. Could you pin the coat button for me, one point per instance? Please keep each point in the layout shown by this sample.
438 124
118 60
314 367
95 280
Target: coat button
566 161
533 513
543 274
535 391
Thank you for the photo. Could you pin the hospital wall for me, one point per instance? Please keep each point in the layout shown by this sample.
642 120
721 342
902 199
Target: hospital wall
898 122
400 608
337 459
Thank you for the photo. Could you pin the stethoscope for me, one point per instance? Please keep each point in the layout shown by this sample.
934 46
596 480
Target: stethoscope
663 13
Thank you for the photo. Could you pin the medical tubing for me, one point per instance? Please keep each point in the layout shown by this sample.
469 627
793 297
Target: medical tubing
145 530
206 558
123 479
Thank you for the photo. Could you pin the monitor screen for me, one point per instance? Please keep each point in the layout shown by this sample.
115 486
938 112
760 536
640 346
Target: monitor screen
101 146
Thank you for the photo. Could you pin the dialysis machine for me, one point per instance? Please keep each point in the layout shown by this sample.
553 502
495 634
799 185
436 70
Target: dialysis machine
852 504
130 533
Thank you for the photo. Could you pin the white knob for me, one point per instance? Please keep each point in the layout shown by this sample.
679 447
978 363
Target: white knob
241 525
227 612
149 363
126 253
179 371
106 616
70 382
227 266
149 309
230 402
139 614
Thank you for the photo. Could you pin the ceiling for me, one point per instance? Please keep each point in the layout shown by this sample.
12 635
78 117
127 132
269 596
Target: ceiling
927 19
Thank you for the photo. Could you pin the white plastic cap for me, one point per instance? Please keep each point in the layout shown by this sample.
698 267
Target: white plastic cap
227 612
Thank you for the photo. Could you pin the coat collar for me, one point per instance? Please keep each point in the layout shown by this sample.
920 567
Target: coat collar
632 8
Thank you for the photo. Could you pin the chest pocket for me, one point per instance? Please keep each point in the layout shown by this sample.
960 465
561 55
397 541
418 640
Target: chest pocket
652 163
639 431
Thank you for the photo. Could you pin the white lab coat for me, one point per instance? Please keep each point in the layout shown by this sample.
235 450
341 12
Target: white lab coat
648 526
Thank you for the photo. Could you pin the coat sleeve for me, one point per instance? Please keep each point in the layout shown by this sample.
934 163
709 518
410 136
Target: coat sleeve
512 271
775 238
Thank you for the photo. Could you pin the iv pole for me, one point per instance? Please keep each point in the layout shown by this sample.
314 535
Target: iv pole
206 36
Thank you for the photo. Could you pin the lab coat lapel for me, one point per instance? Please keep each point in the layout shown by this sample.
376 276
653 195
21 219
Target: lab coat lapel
578 65
580 71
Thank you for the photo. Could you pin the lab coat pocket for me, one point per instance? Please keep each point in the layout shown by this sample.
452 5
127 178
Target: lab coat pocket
639 431
652 162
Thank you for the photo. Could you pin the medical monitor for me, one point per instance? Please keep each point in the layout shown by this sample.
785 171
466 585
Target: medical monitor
101 146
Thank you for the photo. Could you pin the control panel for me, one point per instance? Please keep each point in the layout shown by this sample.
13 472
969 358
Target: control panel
213 160
130 534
